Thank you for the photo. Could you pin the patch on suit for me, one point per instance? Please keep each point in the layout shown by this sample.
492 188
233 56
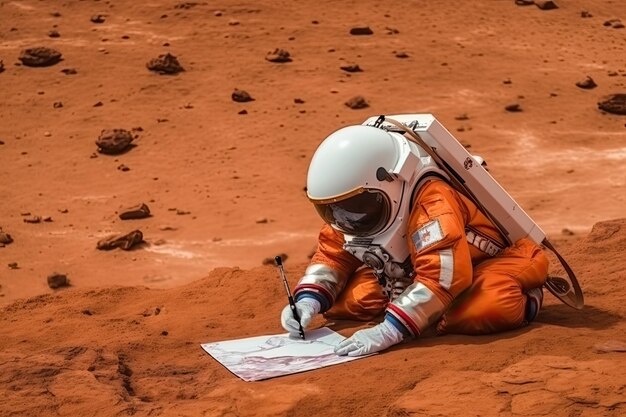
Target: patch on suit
427 235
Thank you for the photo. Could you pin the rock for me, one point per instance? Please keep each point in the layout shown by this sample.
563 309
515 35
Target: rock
57 104
1 66
123 168
546 4
463 116
140 211
361 30
357 102
166 64
69 71
40 57
114 141
588 83
279 56
54 34
13 265
32 219
241 96
97 18
298 101
57 280
401 54
514 107
615 103
524 2
585 14
5 238
186 5
124 241
351 68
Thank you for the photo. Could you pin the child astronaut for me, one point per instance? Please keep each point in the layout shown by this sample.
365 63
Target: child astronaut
409 246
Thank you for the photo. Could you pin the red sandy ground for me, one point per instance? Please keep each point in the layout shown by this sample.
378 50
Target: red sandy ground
100 348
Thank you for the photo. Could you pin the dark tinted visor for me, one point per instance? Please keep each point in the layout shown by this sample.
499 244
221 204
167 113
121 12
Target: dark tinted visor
363 214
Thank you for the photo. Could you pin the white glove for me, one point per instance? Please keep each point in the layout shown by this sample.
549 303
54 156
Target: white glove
371 340
306 308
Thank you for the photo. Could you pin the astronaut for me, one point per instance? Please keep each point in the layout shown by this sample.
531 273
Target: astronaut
407 248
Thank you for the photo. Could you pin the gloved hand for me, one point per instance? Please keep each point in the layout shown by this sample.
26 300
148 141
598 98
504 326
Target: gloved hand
307 308
371 340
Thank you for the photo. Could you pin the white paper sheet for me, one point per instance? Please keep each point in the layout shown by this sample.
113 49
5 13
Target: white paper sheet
264 357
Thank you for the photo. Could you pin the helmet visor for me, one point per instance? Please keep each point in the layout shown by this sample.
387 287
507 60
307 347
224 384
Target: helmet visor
363 214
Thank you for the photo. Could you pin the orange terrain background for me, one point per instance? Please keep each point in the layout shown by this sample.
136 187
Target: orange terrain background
224 181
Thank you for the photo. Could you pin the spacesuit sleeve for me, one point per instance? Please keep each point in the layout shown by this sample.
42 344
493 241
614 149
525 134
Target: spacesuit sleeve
328 271
440 256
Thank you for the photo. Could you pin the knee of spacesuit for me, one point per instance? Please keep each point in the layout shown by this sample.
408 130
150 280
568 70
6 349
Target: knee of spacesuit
362 298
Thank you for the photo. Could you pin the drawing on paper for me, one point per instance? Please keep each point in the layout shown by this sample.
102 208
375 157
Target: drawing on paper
264 357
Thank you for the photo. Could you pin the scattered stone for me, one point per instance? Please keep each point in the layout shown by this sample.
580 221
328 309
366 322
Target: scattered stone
57 104
186 5
241 96
54 34
40 57
524 2
57 280
166 228
588 83
507 81
585 14
546 4
182 212
64 211
13 265
401 54
69 71
567 232
164 333
271 261
357 102
615 103
361 30
5 238
140 211
262 220
279 56
123 168
166 64
612 74
1 66
217 13
242 112
614 23
233 22
55 14
47 219
114 141
97 18
391 31
151 312
515 107
125 242
351 68
47 134
87 312
298 101
463 116
32 219
98 104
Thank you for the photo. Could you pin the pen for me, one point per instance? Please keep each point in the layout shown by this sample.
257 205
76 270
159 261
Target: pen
292 304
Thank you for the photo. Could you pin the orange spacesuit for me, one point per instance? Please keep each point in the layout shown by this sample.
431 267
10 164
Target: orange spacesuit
476 284
399 239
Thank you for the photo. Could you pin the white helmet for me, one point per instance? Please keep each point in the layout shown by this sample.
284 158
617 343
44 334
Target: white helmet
361 176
